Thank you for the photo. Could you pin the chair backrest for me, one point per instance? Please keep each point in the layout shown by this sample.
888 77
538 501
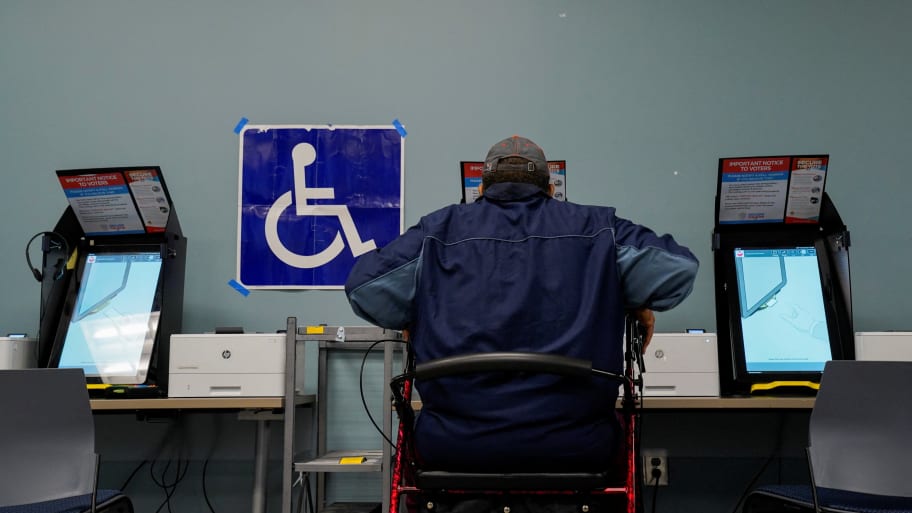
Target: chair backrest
861 428
48 436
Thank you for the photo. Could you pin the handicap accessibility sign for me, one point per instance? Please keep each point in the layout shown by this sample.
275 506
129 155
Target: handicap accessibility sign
312 199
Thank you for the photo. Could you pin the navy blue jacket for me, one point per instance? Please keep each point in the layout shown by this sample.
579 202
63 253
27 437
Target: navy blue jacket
519 271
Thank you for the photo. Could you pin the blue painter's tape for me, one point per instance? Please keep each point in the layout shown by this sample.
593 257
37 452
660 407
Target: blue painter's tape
240 126
399 128
238 287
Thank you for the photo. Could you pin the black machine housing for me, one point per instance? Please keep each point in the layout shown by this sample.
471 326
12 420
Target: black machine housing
830 238
62 265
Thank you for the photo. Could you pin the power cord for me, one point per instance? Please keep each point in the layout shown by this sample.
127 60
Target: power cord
656 476
361 388
123 487
205 492
217 428
305 496
769 459
161 444
180 469
169 488
48 245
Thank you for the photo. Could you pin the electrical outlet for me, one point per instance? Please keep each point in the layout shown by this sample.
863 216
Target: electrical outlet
655 459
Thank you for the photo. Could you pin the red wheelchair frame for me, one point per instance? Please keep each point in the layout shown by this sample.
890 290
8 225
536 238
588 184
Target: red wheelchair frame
600 487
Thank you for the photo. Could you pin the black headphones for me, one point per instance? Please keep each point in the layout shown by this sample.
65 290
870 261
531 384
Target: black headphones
48 244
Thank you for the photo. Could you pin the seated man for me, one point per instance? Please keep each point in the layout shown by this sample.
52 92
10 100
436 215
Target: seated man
519 271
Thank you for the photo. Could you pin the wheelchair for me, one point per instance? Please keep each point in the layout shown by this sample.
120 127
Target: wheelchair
616 488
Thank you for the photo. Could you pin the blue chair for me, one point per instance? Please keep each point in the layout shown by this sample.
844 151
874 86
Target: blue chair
860 444
49 464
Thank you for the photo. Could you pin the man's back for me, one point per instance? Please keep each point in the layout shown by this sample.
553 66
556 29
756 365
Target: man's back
519 271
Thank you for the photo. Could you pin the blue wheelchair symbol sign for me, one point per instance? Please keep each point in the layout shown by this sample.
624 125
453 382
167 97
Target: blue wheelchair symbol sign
313 199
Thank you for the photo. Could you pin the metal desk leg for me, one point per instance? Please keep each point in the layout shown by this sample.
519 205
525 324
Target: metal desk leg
261 452
261 455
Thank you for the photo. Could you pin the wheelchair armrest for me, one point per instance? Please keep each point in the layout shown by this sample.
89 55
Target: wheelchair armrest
503 361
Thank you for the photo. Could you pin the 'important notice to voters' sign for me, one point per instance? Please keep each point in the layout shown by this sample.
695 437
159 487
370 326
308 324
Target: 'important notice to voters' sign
314 198
774 189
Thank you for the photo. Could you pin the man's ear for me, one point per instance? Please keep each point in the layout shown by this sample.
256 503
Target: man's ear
481 189
551 190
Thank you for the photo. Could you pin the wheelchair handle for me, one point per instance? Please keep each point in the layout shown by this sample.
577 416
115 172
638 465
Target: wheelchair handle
508 361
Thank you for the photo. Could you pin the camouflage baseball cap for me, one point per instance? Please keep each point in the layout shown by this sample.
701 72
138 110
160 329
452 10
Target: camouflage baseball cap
521 147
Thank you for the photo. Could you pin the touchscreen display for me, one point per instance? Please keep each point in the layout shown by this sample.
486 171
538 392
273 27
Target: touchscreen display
112 327
783 318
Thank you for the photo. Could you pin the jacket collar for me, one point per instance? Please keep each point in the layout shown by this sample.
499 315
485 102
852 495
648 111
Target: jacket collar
509 191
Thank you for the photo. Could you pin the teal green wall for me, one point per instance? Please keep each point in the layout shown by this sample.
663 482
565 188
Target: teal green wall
640 97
